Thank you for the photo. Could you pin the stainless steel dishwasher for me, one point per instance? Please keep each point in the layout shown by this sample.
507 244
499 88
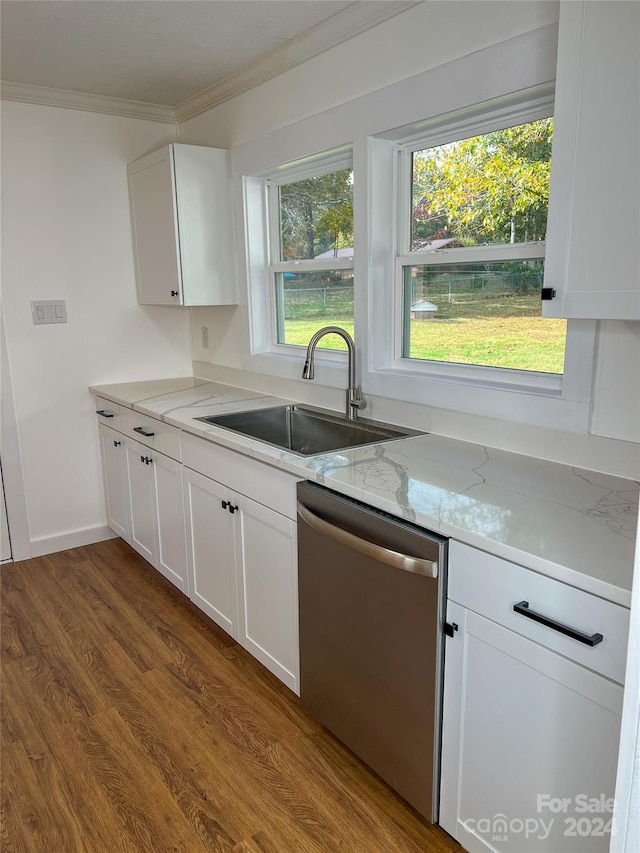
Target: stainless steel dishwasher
372 591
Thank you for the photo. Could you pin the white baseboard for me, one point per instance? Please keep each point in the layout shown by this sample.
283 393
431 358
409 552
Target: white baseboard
72 539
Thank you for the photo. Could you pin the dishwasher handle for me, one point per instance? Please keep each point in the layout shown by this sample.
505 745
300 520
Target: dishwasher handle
416 565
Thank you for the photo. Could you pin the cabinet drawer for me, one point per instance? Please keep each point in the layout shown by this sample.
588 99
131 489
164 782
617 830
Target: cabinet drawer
256 480
108 413
492 587
151 432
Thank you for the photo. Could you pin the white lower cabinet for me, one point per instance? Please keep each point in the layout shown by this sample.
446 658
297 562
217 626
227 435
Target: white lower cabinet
530 737
243 570
268 597
211 550
114 474
156 512
171 554
140 492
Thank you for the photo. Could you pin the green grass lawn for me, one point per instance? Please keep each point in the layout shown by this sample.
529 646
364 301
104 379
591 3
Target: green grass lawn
497 332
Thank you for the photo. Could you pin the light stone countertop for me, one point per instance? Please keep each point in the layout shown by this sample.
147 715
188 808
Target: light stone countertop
572 524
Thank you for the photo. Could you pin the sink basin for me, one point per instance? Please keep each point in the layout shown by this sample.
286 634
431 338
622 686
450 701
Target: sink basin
305 430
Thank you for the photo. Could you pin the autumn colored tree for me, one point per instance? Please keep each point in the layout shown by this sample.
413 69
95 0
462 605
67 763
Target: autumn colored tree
316 214
492 188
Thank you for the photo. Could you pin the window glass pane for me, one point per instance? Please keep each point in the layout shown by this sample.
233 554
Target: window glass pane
492 188
316 217
307 301
481 313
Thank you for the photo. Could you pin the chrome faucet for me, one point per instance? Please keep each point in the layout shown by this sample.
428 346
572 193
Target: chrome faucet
355 400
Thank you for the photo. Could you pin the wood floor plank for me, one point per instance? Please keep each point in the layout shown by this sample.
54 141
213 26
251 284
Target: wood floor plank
134 789
55 653
114 611
28 821
17 637
130 722
195 760
71 782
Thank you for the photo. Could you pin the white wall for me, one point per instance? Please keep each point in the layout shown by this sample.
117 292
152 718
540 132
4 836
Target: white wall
66 235
420 39
423 37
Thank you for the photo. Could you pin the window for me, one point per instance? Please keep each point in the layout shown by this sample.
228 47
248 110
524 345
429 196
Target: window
311 253
474 227
517 367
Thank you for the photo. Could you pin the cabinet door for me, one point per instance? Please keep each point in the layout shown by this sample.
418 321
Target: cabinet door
141 488
155 228
205 217
114 475
592 258
268 593
529 738
210 550
169 521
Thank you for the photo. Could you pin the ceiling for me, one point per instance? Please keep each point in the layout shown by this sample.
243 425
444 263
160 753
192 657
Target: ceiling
165 52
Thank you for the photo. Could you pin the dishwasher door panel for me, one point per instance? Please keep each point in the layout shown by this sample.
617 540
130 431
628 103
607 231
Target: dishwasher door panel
370 643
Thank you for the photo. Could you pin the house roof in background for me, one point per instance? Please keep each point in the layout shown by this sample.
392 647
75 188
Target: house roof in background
336 253
176 57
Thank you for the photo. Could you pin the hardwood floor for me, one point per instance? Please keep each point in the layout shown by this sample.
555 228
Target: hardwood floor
131 722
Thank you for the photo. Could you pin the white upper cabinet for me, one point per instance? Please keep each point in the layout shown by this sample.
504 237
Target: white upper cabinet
593 237
182 220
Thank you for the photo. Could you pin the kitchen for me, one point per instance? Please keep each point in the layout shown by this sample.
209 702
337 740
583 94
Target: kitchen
62 241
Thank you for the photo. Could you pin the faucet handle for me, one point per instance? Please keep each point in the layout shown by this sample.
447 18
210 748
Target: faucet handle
356 400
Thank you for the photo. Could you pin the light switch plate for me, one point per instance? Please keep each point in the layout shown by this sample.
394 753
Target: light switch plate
49 311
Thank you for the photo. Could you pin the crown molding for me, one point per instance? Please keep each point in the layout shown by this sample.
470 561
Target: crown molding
68 99
344 25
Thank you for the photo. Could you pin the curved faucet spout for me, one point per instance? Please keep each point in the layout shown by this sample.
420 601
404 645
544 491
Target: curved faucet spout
355 400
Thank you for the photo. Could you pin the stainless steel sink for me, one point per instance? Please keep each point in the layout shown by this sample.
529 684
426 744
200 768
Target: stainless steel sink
305 430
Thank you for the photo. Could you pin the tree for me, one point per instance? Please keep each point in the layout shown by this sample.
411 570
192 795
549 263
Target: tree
316 214
492 188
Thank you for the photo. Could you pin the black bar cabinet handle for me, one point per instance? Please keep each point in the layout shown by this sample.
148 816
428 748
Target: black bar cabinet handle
104 413
143 432
522 607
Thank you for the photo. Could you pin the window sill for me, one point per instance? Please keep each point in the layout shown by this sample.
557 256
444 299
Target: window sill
543 407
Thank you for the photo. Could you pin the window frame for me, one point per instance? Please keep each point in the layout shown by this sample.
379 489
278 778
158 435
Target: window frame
463 125
332 161
527 397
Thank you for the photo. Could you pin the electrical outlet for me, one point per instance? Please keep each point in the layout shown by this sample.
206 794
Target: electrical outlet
205 337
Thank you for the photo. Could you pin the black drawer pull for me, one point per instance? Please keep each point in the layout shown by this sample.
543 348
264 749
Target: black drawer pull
117 443
522 607
143 432
104 413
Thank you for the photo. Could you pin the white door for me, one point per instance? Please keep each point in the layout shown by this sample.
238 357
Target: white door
269 589
140 480
211 555
530 741
155 228
5 540
115 480
172 549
